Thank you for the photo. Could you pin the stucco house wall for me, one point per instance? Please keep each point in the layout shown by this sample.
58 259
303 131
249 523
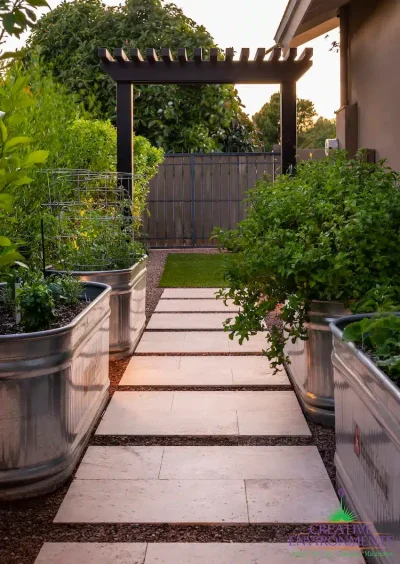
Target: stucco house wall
374 76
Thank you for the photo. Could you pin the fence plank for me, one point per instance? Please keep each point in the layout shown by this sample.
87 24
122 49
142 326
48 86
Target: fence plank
193 194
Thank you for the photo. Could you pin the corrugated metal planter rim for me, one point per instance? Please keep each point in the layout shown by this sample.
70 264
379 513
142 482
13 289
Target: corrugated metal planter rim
367 437
53 387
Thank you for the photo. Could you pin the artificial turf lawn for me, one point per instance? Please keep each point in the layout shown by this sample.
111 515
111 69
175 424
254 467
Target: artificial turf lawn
194 271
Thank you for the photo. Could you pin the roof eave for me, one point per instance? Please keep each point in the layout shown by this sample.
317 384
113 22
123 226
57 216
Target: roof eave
296 29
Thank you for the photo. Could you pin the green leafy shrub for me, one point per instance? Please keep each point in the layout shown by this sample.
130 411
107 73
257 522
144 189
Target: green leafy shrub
179 119
16 161
98 242
36 303
65 289
90 145
37 298
331 232
380 338
52 119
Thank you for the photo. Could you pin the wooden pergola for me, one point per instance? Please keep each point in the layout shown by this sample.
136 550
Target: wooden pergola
217 69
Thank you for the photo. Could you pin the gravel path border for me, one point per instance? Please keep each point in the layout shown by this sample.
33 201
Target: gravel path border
25 525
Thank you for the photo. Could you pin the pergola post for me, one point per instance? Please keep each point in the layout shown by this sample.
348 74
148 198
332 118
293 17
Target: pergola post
288 126
125 134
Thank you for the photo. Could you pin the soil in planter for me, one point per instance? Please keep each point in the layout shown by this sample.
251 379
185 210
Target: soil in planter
64 314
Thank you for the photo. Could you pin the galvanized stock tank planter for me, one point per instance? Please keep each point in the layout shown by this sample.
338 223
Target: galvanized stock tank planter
53 387
310 367
128 304
367 459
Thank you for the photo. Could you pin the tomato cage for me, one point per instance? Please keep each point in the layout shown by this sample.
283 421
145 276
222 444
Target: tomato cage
88 222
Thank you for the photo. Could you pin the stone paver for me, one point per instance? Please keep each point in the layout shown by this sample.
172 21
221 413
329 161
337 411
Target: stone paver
201 371
195 305
178 423
203 484
185 553
241 401
242 462
121 462
236 553
186 321
204 413
290 501
187 293
154 501
92 553
155 342
273 423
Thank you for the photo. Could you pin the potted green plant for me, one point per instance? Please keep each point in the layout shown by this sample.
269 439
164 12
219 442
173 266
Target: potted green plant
311 246
54 340
92 236
366 361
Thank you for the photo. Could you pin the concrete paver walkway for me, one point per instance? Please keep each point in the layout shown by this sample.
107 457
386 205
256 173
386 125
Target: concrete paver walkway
201 371
202 485
197 342
181 553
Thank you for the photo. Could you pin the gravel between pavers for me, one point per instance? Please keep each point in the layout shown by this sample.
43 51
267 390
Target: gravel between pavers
25 525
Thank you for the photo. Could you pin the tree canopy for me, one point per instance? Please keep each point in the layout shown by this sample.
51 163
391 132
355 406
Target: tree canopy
179 119
310 134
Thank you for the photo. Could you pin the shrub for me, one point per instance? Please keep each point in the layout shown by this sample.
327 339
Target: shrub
331 232
380 338
90 145
36 303
37 298
16 162
50 118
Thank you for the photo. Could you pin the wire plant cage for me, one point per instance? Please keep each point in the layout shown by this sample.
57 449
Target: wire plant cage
88 222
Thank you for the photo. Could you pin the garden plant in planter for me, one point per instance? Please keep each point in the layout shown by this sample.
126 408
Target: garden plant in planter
311 248
366 361
54 340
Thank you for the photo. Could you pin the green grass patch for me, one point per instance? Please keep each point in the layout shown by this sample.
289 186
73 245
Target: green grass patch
194 271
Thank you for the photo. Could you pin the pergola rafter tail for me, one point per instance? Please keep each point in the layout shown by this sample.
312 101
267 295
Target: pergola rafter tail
165 69
174 67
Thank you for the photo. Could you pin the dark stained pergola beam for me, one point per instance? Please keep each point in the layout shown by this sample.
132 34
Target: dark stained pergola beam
166 55
244 55
151 56
207 72
214 54
260 54
104 56
120 55
291 54
198 55
182 55
307 54
229 54
136 56
275 54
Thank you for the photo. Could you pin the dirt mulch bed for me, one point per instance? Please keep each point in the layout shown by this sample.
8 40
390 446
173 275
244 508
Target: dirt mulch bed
63 316
25 525
220 440
271 388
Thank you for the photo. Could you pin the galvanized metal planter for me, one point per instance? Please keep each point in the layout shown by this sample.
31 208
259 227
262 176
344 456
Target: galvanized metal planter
128 305
310 367
53 387
367 456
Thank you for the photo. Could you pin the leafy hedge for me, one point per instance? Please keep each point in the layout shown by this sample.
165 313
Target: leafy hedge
331 232
178 119
53 120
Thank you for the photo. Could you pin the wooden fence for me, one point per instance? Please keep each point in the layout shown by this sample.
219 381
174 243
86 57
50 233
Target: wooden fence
193 193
